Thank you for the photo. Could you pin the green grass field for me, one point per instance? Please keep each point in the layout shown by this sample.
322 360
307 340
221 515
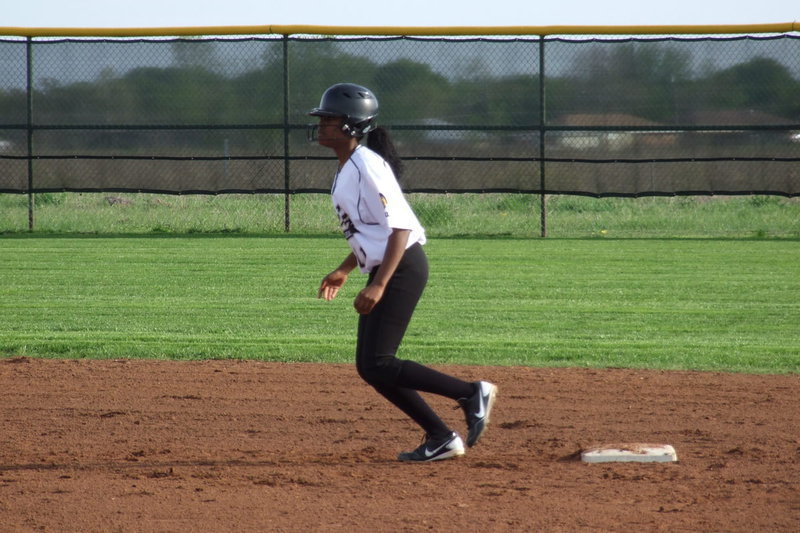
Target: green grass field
708 304
443 215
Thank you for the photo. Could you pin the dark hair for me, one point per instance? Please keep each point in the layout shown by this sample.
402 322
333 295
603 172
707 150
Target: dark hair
379 141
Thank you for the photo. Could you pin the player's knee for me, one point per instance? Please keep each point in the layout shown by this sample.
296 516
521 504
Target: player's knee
382 370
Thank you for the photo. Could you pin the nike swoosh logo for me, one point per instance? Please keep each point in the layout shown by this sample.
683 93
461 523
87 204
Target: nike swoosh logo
429 453
481 411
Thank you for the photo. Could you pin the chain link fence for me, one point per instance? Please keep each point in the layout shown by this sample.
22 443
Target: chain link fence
163 126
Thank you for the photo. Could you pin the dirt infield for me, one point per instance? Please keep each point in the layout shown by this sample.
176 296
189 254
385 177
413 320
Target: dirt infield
129 445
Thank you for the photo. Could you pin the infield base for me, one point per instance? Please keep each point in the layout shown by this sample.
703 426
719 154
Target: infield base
630 453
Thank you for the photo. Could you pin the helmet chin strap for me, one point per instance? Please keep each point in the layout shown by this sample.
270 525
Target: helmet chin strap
353 132
357 131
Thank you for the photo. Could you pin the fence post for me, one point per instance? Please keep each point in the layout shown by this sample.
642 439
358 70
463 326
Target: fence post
286 169
542 127
29 105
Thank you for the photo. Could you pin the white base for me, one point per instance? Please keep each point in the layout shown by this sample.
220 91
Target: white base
630 453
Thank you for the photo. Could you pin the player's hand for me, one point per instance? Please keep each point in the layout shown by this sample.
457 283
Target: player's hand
331 284
368 298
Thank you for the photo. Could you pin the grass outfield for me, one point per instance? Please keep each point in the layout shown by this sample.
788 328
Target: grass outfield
443 215
702 304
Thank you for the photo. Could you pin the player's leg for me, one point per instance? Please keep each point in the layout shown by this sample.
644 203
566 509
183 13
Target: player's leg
381 372
379 337
382 331
440 441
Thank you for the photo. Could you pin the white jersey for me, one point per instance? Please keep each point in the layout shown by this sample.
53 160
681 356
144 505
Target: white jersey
369 203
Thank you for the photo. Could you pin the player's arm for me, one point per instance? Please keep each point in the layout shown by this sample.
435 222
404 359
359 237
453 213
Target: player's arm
372 293
334 281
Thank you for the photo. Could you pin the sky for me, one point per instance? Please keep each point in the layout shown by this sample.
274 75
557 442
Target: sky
190 13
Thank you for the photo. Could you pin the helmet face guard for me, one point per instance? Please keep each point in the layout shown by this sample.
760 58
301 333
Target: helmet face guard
354 103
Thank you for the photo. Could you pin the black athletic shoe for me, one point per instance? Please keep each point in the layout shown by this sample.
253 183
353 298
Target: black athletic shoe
477 409
435 449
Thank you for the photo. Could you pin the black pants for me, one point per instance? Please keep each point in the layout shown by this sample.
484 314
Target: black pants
379 337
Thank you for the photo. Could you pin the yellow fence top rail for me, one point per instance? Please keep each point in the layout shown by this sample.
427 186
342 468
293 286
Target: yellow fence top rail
421 31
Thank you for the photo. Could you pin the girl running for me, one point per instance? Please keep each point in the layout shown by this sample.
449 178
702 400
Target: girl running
386 242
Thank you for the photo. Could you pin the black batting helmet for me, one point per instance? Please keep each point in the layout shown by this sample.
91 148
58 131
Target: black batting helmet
355 103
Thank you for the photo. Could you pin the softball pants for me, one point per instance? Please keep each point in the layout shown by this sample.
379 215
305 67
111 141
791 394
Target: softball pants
379 336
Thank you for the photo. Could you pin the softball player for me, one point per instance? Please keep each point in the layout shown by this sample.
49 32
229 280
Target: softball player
386 241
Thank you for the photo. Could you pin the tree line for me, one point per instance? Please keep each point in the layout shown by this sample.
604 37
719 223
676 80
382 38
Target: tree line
655 83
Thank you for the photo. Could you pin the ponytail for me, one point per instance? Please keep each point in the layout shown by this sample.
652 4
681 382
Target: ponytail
379 141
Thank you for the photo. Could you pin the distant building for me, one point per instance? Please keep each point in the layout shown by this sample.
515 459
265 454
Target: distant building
610 140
